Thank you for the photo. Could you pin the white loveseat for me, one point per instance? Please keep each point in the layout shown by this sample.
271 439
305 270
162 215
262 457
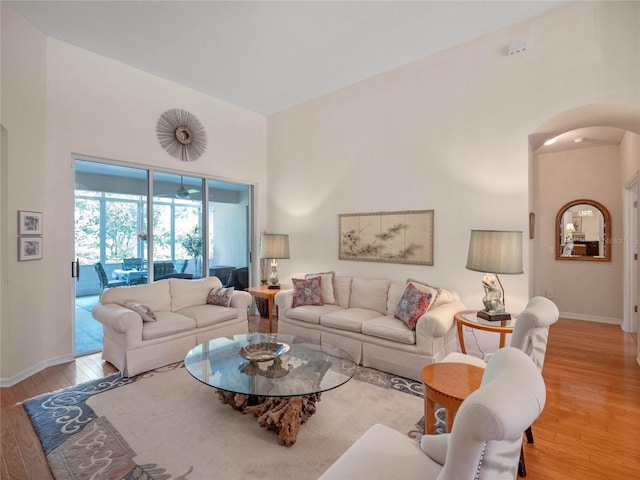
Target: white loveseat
357 315
183 319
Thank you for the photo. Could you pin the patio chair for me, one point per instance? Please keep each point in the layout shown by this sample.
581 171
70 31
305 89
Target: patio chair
162 269
132 263
104 280
238 278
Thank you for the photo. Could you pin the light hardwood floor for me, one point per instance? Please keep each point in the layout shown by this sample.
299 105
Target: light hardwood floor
590 428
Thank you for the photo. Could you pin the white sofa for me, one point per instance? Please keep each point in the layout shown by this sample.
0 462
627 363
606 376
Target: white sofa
360 320
183 319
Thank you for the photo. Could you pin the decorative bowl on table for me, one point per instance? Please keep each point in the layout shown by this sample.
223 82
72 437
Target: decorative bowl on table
263 351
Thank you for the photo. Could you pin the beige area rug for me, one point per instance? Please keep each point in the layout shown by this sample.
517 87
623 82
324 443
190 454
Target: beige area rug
167 425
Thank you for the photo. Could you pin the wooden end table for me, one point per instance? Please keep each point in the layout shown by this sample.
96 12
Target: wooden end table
470 319
447 384
264 291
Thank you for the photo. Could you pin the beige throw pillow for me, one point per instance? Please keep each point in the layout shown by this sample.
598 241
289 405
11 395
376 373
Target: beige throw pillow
142 310
328 295
220 296
369 294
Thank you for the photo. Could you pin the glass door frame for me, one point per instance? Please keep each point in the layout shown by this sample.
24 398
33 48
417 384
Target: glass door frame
205 217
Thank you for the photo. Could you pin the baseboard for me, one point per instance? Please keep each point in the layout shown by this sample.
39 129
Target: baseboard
11 381
591 318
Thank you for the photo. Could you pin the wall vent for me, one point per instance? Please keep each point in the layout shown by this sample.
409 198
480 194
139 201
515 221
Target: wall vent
518 46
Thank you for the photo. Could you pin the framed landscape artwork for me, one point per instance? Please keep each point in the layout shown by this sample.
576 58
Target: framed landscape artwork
29 223
29 248
391 237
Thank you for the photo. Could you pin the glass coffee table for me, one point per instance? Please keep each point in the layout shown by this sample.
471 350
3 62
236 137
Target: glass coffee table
278 378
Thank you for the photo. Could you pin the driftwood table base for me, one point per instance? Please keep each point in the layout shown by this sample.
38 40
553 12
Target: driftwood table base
283 415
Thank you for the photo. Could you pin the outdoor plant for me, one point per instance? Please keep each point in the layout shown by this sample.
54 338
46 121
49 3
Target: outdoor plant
192 243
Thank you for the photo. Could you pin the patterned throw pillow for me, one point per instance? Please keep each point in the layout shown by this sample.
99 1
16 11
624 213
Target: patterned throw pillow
307 292
220 296
413 304
142 310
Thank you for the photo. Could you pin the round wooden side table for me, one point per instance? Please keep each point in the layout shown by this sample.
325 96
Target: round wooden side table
447 384
470 319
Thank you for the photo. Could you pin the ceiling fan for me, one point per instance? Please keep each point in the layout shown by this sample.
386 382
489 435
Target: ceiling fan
182 193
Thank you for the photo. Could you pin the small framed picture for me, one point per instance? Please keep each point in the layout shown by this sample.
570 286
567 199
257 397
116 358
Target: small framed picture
29 248
29 223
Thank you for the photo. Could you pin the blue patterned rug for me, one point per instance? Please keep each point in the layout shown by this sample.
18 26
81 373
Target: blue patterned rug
65 424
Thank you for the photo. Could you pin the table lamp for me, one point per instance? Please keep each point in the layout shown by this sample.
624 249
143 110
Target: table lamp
494 252
274 246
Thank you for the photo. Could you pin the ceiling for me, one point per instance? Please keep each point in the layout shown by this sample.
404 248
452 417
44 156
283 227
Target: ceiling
268 56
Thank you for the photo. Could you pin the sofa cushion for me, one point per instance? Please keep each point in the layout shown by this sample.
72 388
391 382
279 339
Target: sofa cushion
413 304
145 312
188 293
311 313
342 290
442 295
307 291
395 294
350 319
206 315
155 295
369 294
389 328
168 323
328 295
220 296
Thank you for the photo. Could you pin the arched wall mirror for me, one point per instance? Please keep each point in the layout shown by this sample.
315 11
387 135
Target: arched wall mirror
583 228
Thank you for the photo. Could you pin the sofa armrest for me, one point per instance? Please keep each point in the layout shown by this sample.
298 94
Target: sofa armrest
283 301
240 300
437 322
117 318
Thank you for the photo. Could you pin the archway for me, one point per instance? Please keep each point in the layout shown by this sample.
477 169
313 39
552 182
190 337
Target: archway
626 118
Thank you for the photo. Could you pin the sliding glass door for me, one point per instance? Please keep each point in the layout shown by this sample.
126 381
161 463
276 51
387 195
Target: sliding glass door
110 206
199 227
177 236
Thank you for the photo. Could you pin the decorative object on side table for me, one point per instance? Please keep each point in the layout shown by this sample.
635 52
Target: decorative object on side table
494 252
274 246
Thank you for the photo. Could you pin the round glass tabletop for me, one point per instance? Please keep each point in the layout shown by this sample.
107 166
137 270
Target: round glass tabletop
271 365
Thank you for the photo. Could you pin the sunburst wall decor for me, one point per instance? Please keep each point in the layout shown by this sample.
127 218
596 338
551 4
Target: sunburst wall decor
181 134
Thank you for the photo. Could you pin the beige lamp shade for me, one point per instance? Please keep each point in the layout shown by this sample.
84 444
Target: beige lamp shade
494 251
274 245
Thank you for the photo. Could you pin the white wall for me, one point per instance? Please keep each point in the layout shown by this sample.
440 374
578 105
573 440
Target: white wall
87 104
630 154
448 133
24 310
581 289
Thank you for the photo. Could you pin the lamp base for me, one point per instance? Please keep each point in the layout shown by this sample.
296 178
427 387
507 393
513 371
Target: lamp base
273 287
494 317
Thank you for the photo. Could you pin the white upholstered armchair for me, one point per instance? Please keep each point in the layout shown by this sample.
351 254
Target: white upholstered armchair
530 335
485 441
